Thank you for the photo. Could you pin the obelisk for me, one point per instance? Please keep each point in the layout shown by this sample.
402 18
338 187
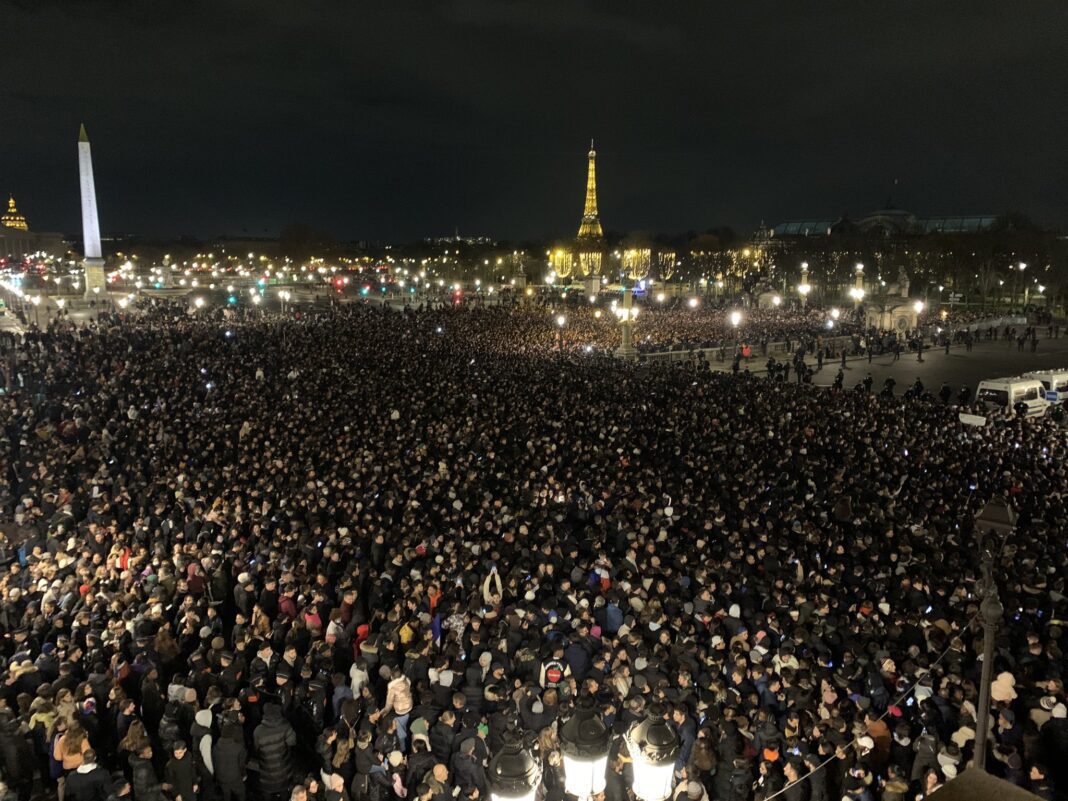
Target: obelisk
95 281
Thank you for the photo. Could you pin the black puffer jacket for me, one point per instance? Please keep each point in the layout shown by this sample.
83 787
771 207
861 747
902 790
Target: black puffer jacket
145 783
229 757
273 739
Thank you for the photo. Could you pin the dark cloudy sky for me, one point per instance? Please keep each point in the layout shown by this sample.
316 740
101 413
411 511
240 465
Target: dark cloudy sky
396 119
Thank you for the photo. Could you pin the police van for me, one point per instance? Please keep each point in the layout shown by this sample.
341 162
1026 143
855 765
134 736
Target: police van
1005 393
1054 382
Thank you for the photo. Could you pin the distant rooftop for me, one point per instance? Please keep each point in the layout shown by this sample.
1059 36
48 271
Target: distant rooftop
889 221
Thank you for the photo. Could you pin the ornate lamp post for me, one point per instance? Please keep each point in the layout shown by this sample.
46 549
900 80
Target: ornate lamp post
804 287
653 746
996 521
514 772
626 314
584 745
284 295
857 291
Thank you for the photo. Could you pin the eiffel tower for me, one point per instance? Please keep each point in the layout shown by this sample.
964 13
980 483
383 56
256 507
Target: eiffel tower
590 227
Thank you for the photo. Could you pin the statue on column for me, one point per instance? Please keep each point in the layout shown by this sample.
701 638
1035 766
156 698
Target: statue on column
903 281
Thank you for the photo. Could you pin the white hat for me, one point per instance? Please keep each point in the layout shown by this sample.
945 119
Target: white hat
1002 688
949 771
1059 711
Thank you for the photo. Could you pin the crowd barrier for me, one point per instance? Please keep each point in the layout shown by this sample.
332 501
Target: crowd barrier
778 349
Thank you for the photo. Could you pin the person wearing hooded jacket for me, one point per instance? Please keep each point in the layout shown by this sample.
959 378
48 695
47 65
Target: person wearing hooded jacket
273 739
229 758
200 733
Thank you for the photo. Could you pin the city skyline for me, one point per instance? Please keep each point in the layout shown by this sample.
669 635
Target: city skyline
241 126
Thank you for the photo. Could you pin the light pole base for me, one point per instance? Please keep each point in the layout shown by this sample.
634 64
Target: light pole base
626 353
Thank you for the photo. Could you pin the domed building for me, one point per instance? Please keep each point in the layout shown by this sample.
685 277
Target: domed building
12 218
17 241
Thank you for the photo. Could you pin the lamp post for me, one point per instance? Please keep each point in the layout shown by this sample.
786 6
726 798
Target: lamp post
285 295
857 291
653 746
514 772
36 301
804 287
584 747
996 520
626 314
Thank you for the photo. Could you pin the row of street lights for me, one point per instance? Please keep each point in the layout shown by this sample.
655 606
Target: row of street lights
652 744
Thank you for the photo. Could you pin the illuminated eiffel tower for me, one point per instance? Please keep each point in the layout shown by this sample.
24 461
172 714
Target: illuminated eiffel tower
590 227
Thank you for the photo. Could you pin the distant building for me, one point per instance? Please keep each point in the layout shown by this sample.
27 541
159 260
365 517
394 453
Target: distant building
12 219
18 242
889 223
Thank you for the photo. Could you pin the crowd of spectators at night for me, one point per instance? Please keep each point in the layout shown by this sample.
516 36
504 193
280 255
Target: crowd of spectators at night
657 328
336 556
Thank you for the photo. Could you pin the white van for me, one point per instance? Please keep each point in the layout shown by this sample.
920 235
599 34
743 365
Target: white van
1005 393
1055 383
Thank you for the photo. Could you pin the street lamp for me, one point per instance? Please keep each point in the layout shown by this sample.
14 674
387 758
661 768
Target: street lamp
776 301
626 314
804 287
918 306
996 520
736 318
653 746
514 773
199 303
285 295
584 747
835 314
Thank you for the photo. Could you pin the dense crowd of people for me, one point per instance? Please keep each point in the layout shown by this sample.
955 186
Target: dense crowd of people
338 556
657 327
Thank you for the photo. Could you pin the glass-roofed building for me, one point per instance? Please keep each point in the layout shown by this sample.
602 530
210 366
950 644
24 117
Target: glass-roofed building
888 222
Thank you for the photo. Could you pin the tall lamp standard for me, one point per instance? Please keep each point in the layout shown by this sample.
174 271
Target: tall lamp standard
626 314
561 321
653 745
284 295
514 772
804 287
584 746
857 290
996 521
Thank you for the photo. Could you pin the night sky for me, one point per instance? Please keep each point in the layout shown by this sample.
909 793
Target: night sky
394 120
